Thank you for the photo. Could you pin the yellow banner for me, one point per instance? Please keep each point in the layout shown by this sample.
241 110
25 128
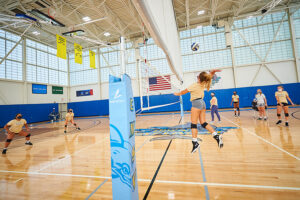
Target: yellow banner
78 53
61 43
92 60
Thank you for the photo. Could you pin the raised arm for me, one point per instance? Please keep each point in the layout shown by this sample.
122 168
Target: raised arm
181 92
212 72
6 127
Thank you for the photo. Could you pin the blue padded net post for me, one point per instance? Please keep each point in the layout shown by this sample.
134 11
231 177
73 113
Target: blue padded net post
122 139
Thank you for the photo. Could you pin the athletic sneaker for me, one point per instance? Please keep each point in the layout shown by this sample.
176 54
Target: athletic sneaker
4 151
220 122
286 124
279 121
28 143
235 115
195 146
265 118
260 118
219 140
78 128
65 131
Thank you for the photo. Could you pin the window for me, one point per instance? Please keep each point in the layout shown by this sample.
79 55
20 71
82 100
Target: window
43 66
268 37
11 68
82 73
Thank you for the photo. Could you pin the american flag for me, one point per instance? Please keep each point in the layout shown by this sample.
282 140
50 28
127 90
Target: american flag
159 83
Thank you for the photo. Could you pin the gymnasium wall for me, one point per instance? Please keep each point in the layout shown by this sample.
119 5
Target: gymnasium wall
18 92
31 112
100 107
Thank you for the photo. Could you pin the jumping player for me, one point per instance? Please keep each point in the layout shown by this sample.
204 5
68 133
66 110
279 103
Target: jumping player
70 118
236 103
199 107
15 127
261 104
214 107
282 97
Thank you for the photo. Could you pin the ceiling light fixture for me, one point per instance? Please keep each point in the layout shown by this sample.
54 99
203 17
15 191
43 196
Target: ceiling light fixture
201 12
86 19
107 34
35 33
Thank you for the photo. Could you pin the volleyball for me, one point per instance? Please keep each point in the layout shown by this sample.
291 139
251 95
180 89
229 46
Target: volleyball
195 46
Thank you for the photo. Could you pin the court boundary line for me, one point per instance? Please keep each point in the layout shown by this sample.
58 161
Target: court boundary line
203 175
162 181
99 186
157 170
263 139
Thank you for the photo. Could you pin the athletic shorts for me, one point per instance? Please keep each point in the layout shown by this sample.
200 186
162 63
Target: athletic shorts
235 103
284 104
199 103
261 105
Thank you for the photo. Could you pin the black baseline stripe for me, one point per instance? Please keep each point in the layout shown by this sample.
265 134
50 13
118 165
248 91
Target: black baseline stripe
293 114
154 177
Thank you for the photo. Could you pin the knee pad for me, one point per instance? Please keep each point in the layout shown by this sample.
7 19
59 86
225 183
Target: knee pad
278 115
238 109
204 124
286 114
75 124
8 140
193 126
28 135
66 126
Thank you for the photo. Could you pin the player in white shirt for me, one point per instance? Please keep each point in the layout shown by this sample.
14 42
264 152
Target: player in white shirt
70 118
261 104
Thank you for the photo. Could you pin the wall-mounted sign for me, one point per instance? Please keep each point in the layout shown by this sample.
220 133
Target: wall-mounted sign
39 89
80 93
57 90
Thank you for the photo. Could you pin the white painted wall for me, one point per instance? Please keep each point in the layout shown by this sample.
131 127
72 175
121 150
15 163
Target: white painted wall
12 92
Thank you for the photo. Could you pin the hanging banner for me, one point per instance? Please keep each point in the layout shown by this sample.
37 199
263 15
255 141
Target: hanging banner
61 43
78 53
92 60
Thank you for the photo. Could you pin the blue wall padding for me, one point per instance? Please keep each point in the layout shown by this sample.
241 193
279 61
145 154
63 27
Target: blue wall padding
100 107
39 112
89 108
31 112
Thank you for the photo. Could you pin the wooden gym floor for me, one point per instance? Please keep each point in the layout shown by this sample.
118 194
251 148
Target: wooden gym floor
259 161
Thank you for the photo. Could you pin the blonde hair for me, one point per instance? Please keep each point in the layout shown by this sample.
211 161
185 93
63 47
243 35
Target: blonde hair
205 79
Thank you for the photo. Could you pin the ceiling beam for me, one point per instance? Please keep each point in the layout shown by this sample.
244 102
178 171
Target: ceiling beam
187 13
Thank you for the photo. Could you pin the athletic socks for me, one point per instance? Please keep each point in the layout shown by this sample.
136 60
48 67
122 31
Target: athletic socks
4 151
286 123
214 133
219 140
195 146
28 142
65 131
194 140
279 121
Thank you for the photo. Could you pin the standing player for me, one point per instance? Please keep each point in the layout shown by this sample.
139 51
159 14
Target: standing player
70 118
236 103
214 107
15 127
199 107
282 97
261 104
